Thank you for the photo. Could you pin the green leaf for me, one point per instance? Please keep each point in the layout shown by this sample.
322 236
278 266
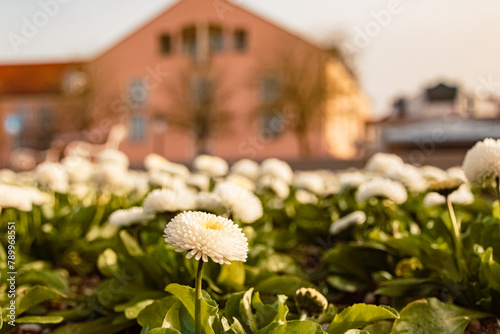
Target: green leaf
107 263
42 276
381 327
36 295
232 276
433 316
246 312
235 328
105 325
360 315
490 269
186 295
164 331
295 326
45 319
287 284
154 314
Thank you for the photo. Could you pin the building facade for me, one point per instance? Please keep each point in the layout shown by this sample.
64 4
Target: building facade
437 126
201 77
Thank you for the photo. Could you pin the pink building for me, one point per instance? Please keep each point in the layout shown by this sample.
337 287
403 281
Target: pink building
203 74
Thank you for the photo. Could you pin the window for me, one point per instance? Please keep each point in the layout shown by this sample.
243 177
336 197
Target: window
189 41
240 40
216 39
270 89
137 93
138 128
45 118
273 124
165 44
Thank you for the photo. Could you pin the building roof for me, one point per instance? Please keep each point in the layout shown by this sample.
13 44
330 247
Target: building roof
27 79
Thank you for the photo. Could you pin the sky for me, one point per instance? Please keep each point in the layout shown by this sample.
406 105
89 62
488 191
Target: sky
401 46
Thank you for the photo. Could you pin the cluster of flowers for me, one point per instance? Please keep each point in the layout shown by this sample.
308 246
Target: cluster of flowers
233 191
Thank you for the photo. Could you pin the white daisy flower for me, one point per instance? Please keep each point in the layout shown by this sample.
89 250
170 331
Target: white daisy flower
277 168
163 200
162 179
305 197
247 168
277 185
210 202
112 178
380 163
129 216
21 198
431 173
352 179
310 181
199 181
461 196
242 203
241 181
79 169
456 173
206 235
380 187
154 161
210 165
113 157
482 163
409 176
53 176
352 219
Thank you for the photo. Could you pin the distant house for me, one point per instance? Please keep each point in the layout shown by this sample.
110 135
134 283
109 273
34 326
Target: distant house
200 74
436 126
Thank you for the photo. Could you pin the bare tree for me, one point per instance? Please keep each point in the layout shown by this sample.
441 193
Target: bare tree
198 98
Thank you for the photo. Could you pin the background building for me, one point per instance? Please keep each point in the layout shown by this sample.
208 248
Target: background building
202 77
437 126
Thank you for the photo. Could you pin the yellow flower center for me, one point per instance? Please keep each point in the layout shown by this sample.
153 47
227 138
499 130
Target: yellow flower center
212 224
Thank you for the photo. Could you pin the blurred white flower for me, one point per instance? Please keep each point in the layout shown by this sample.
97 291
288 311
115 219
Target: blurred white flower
53 176
352 219
461 196
482 163
241 181
380 163
113 157
206 235
139 183
409 176
210 165
352 179
129 216
275 184
456 173
380 187
211 202
79 169
154 161
305 197
199 181
311 181
113 179
247 168
166 200
277 168
162 179
431 173
21 198
241 202
8 177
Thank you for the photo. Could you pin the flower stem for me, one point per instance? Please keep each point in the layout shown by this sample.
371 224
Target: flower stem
497 187
303 316
456 235
199 296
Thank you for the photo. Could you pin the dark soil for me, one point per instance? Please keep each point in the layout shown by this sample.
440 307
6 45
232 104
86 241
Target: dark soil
483 326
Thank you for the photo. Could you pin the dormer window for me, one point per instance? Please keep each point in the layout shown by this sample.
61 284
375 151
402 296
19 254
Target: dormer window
189 41
240 40
216 39
165 44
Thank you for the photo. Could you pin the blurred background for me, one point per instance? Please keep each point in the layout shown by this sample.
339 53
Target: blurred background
320 84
